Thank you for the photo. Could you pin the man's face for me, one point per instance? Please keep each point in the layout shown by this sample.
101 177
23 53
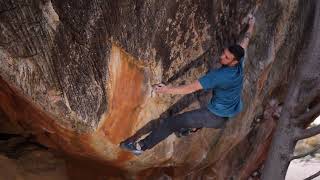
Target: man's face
227 58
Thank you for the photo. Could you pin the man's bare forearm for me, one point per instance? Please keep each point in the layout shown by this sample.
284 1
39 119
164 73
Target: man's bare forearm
246 38
245 41
184 89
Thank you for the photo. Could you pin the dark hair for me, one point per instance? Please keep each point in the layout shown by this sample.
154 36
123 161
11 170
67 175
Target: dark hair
237 51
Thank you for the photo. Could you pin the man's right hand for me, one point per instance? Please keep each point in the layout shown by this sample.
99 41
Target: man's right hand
251 20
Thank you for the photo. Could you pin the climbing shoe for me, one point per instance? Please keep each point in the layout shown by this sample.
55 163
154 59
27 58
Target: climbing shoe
131 147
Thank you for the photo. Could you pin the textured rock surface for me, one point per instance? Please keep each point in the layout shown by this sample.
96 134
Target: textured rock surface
21 157
78 75
36 165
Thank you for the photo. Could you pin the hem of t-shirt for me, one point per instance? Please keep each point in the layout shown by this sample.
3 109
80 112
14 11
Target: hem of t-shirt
222 115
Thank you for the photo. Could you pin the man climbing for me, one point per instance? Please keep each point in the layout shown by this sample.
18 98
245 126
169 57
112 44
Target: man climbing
226 82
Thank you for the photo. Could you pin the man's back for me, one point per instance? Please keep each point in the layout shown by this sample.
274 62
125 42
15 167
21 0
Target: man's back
226 83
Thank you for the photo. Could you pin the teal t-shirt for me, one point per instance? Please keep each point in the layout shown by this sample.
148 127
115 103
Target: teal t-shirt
226 84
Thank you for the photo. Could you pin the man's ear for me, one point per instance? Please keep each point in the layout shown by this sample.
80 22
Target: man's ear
234 62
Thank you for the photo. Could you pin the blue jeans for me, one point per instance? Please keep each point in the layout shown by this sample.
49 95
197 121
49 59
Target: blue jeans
160 129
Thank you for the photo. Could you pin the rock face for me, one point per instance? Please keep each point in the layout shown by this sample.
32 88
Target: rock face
21 157
78 75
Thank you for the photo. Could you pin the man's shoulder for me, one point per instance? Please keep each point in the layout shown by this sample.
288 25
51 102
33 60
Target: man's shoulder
217 70
215 73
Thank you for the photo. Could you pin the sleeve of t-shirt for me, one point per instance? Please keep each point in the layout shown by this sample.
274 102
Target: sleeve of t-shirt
209 81
242 62
243 58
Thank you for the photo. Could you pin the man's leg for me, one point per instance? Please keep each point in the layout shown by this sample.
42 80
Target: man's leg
192 119
147 128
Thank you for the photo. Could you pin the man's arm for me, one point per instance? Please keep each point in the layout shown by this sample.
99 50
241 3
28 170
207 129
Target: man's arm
184 89
245 41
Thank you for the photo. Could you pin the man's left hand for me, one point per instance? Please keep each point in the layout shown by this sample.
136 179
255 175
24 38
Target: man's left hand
160 88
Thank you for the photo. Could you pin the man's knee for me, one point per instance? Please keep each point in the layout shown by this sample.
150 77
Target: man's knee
170 123
221 123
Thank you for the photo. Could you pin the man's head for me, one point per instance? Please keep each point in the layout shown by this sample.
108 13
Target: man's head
231 55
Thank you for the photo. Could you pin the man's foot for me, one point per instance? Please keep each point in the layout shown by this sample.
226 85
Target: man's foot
131 147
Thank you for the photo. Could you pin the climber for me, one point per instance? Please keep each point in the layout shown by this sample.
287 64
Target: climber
226 83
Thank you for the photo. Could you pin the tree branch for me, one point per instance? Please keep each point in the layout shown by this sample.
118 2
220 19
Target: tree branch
308 115
313 176
308 132
306 154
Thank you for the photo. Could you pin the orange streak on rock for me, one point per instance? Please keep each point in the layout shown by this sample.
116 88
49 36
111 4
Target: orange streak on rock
263 78
126 95
79 153
121 158
259 153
